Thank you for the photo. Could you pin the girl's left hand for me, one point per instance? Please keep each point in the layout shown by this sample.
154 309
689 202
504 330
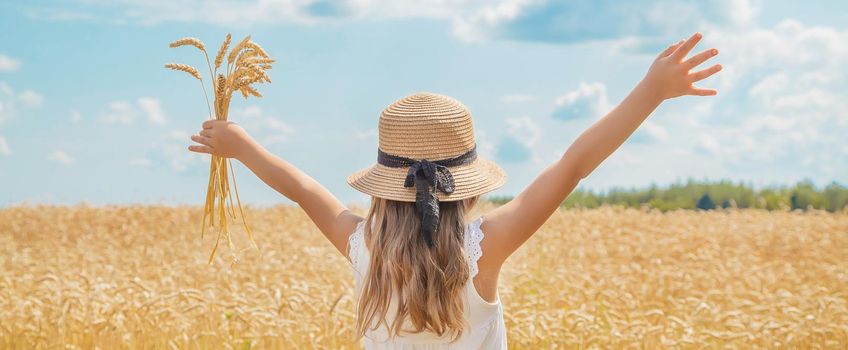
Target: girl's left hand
669 74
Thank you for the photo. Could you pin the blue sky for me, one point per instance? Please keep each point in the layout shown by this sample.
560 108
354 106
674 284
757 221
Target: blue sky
87 113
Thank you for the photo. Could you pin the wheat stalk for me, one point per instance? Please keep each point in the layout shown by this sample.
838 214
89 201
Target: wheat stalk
247 62
193 71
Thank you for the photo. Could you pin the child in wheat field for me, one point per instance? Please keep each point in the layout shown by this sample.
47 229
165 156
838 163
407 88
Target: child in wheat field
426 278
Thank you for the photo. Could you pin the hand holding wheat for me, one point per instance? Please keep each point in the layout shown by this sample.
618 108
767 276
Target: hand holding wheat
221 138
246 64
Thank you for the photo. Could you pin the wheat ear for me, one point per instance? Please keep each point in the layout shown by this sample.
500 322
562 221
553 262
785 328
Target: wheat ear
257 48
189 41
220 95
247 89
199 45
235 50
184 68
222 51
261 60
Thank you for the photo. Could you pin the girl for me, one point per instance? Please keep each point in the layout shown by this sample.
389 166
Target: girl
424 277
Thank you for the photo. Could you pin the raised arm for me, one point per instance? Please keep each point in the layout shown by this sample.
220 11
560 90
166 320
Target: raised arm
227 139
509 226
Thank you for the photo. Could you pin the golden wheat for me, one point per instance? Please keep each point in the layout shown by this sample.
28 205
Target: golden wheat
184 68
247 89
238 77
132 277
220 90
222 51
189 41
256 48
236 49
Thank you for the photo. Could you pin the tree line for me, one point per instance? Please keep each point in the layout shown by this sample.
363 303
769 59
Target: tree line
706 195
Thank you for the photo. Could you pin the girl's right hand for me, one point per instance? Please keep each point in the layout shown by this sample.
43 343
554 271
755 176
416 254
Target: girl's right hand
222 138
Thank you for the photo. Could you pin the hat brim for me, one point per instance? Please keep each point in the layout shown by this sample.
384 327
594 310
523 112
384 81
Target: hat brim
470 180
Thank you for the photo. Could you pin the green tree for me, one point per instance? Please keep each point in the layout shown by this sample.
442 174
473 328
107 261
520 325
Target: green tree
705 203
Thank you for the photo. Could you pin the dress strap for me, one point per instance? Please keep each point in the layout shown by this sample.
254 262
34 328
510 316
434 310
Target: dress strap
473 252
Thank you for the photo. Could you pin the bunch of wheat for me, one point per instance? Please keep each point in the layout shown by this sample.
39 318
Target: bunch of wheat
247 64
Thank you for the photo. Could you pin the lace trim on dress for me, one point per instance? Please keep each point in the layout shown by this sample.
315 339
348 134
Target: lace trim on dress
473 252
355 243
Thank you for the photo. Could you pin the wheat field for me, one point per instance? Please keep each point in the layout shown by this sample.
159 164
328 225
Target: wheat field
136 277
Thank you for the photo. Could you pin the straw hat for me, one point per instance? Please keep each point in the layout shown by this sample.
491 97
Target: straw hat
431 127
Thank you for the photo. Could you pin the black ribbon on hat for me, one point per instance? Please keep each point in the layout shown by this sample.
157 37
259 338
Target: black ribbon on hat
428 176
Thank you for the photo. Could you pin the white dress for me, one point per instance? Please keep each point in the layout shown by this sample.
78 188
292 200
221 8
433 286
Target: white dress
487 329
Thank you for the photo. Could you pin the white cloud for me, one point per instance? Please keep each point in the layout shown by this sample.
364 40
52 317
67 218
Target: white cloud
5 150
480 25
485 146
126 113
140 162
575 21
766 88
57 14
8 64
470 20
365 134
525 130
655 131
75 117
241 13
785 82
219 12
517 98
120 112
31 99
813 53
177 135
152 109
13 103
588 100
173 149
269 130
61 157
521 141
709 143
813 98
624 156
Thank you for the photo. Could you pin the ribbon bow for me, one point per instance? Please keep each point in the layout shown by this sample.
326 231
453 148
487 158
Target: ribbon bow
428 177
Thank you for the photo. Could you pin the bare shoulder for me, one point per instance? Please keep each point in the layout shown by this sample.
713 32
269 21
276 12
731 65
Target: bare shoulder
348 221
495 242
491 244
345 225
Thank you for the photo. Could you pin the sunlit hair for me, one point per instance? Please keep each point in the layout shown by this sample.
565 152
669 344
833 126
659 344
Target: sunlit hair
428 281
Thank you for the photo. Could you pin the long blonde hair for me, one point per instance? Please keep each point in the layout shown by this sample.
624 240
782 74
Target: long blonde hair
429 281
